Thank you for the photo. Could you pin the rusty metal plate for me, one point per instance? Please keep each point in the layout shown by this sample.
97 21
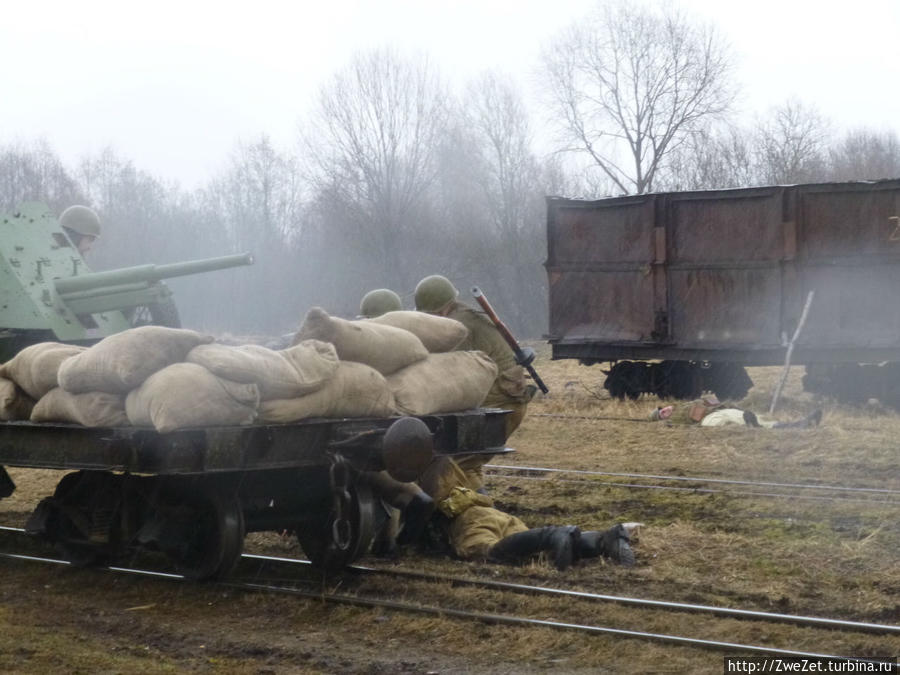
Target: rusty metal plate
726 306
850 219
726 225
617 305
614 230
853 306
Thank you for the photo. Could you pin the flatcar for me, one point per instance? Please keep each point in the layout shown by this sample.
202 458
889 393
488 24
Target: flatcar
704 283
193 494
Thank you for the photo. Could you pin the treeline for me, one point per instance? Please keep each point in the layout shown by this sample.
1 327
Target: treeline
395 176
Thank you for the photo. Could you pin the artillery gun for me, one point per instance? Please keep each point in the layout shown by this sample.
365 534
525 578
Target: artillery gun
47 291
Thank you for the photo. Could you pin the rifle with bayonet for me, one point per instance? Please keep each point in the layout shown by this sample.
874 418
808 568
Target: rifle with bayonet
524 355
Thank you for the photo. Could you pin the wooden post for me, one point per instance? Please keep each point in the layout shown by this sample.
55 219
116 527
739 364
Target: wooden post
790 349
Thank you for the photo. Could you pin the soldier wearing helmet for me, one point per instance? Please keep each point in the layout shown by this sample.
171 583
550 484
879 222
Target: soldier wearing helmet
378 302
82 226
435 294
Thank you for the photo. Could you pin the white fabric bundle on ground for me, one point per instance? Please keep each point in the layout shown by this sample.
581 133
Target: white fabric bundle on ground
437 333
356 390
92 409
15 404
187 395
289 373
446 382
119 363
385 348
36 367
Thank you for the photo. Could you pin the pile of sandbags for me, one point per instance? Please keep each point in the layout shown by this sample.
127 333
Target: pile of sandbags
172 378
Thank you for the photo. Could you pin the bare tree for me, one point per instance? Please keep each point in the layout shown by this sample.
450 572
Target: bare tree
371 147
509 179
711 159
33 172
630 84
791 145
863 154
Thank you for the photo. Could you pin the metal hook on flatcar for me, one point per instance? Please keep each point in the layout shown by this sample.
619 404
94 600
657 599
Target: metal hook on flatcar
339 479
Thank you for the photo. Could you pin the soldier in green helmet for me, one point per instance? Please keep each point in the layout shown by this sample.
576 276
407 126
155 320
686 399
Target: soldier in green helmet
378 302
435 294
82 226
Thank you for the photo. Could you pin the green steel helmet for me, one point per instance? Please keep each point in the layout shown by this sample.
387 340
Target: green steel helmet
434 293
82 220
378 302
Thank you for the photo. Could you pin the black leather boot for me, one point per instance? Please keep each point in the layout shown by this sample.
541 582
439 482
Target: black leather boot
614 544
559 541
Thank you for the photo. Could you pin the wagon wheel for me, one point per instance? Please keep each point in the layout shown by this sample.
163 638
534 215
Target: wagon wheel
207 530
80 515
317 536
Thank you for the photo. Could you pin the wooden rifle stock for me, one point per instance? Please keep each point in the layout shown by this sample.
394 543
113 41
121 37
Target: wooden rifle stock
524 357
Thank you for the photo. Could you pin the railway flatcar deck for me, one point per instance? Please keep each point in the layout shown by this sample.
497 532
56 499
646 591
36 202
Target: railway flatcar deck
193 494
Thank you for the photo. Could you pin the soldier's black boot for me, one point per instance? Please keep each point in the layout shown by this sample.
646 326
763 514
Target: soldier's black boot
614 544
415 516
559 541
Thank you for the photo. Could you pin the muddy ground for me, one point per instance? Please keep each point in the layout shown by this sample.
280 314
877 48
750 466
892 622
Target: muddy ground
801 555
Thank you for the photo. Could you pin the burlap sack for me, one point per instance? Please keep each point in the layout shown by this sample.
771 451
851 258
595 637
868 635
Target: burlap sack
293 372
93 409
119 363
356 390
187 395
15 404
446 382
437 333
385 348
35 368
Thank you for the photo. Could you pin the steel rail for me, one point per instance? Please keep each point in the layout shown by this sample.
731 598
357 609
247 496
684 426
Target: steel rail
508 619
543 590
624 600
695 479
479 616
737 493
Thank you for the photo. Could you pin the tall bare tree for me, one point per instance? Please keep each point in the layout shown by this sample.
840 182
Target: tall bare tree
791 144
630 84
371 147
510 181
711 159
863 154
34 172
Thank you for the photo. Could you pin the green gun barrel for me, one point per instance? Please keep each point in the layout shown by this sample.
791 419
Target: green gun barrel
146 273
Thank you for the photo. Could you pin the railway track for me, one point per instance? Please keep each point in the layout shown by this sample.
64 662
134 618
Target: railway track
380 588
806 491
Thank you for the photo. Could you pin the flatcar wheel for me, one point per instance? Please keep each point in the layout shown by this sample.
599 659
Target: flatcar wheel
317 535
210 536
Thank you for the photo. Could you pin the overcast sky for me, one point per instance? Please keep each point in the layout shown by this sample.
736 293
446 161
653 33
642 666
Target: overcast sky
173 85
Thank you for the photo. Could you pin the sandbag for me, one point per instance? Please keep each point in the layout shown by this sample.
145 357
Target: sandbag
385 348
15 404
289 373
187 395
91 409
437 333
356 390
119 363
447 382
35 368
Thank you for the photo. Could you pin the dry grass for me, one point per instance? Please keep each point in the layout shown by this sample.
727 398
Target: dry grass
799 555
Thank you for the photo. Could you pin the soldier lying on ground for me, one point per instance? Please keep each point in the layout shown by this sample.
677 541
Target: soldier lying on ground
475 529
709 412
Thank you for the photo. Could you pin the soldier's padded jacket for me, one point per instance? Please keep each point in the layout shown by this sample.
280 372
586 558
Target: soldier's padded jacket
509 387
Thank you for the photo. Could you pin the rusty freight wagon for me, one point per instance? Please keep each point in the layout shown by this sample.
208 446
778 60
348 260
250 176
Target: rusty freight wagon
704 283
